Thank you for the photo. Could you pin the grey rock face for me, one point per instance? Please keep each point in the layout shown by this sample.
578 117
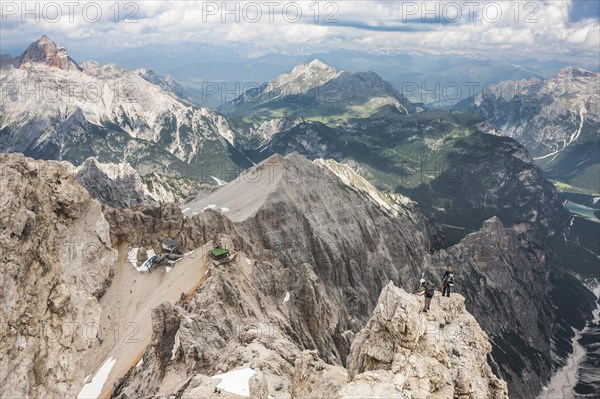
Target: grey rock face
308 286
313 378
118 186
312 257
56 261
121 186
168 84
512 285
543 115
316 89
128 117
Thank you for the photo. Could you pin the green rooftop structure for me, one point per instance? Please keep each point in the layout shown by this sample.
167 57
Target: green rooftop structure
221 255
219 252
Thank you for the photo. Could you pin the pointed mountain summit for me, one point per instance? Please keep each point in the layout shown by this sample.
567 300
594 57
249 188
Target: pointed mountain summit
300 181
317 90
305 76
317 63
126 110
45 51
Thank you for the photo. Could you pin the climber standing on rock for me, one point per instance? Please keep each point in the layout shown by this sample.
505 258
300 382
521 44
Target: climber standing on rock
447 281
428 290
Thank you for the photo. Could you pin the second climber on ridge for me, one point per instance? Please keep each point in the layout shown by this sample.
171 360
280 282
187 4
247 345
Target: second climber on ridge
428 290
447 281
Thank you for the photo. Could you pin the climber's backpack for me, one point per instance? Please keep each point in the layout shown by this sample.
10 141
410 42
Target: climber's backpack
429 291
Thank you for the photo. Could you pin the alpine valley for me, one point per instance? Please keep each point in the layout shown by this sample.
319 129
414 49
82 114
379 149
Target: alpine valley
334 195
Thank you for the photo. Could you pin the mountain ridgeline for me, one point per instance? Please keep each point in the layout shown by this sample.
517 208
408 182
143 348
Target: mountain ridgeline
54 108
556 119
328 186
317 91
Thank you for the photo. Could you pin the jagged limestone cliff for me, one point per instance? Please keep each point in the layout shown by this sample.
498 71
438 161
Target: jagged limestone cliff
332 245
56 262
406 353
121 186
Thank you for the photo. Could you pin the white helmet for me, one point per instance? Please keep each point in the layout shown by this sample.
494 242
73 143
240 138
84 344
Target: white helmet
422 280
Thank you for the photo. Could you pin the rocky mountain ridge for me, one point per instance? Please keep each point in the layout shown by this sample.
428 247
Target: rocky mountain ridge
121 186
326 253
316 90
403 352
54 112
304 77
297 276
453 164
43 51
300 282
556 119
57 261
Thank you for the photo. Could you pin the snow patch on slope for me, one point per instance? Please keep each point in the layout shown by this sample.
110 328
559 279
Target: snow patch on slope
93 389
132 256
236 382
176 345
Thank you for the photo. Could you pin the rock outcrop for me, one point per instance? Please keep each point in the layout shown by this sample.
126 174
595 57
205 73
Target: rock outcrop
313 378
116 185
121 186
44 51
56 262
405 353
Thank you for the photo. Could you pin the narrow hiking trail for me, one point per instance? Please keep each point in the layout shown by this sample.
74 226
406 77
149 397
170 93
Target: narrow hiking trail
126 324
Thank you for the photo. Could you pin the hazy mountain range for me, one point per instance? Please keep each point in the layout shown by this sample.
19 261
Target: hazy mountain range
198 65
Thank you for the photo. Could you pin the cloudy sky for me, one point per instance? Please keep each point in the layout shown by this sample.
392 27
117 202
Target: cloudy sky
566 30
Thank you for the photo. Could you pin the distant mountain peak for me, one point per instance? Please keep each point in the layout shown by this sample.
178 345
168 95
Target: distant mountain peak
575 72
325 92
316 63
45 51
306 76
315 66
